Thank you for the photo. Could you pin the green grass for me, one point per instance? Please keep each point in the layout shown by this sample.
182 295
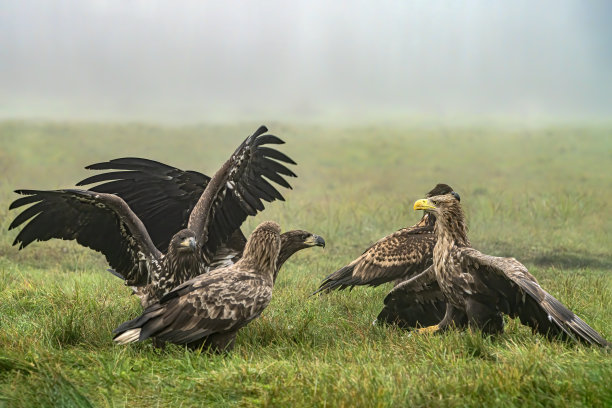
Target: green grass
541 195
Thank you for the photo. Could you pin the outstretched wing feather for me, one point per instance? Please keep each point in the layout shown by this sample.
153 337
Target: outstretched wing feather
397 256
238 188
522 296
98 221
415 302
160 195
164 197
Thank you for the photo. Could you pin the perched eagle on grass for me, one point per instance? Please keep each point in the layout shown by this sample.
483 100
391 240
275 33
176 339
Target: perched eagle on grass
396 257
208 311
104 222
479 289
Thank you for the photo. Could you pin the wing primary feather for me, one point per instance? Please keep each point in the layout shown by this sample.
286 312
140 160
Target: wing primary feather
270 166
129 163
275 154
30 198
267 139
278 179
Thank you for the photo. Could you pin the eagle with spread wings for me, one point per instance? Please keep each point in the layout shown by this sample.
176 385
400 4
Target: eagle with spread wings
479 289
163 197
206 236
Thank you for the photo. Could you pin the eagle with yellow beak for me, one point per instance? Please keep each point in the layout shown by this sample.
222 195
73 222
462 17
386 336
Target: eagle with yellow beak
479 289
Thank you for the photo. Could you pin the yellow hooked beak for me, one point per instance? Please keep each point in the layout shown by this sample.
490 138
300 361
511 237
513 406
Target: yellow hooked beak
315 240
423 204
188 243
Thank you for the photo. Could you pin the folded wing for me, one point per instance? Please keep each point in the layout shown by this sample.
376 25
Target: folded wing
209 304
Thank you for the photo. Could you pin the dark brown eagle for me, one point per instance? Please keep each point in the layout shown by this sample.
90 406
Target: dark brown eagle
479 289
396 257
104 222
208 311
163 197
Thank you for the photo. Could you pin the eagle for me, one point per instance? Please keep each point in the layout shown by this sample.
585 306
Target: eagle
479 289
163 196
207 311
106 223
396 257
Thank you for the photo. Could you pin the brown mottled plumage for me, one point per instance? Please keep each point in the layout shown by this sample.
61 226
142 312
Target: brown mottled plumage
210 309
291 242
479 288
396 257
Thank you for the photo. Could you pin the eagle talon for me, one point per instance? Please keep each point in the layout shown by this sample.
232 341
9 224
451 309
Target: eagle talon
429 330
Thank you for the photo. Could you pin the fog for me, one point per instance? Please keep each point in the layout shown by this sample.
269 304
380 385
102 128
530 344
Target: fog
190 61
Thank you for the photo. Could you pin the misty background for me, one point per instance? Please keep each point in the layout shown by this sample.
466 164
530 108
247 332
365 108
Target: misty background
192 61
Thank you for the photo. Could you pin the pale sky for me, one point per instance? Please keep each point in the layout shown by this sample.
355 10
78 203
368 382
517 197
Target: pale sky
204 60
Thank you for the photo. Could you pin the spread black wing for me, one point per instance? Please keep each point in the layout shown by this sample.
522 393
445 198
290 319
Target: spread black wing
161 196
415 302
102 222
519 295
238 189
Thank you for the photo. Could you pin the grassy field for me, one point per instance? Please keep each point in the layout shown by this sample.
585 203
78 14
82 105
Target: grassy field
542 195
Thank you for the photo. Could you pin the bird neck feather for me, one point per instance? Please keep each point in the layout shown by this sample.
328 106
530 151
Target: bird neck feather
288 247
451 228
261 253
177 268
284 254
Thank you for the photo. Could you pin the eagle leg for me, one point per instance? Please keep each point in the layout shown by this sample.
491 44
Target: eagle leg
159 344
452 318
429 329
216 343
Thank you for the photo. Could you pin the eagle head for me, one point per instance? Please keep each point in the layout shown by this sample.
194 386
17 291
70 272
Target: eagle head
300 239
184 241
439 203
439 189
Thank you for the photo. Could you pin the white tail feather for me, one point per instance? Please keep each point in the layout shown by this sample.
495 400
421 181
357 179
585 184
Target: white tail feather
128 336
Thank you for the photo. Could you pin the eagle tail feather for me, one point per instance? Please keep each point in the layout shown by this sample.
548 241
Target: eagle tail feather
128 336
132 330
